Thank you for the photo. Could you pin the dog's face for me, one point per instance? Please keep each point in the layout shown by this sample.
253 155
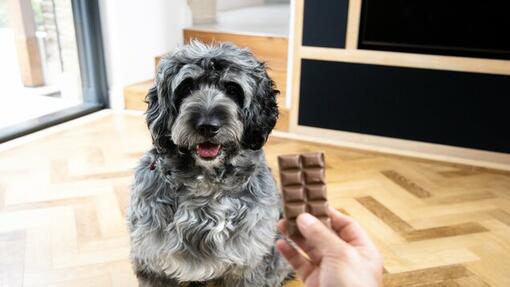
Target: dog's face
211 102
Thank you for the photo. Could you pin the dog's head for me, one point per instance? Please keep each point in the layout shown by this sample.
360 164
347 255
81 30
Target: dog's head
211 102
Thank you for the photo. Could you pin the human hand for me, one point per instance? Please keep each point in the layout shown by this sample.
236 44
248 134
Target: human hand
344 256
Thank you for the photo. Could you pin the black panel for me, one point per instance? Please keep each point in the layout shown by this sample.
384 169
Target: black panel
453 108
452 27
325 23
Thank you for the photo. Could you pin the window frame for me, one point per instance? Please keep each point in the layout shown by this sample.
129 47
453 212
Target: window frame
93 74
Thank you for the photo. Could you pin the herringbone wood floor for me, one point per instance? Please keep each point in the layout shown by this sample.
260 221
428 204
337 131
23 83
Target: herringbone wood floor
63 199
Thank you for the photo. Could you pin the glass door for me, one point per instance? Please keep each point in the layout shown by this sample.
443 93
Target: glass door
52 63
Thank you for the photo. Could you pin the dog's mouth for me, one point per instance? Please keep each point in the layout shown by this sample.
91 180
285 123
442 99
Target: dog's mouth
208 150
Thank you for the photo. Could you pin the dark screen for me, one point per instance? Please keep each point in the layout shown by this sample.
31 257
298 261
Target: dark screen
325 23
449 27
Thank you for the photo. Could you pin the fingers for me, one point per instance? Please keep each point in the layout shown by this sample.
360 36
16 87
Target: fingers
302 267
348 229
301 242
318 239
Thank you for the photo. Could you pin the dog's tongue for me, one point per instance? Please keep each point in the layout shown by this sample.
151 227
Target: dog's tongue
208 150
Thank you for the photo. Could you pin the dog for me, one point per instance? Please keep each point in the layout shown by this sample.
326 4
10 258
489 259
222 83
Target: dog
204 205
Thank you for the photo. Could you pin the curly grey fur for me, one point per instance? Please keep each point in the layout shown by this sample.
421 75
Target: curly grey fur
196 221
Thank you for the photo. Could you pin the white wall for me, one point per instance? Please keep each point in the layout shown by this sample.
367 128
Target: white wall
233 4
277 1
134 32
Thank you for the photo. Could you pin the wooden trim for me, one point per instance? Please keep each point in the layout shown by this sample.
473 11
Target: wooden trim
403 147
351 39
298 6
23 24
290 59
449 63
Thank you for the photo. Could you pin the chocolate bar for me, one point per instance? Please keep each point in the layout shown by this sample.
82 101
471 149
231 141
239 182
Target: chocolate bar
302 178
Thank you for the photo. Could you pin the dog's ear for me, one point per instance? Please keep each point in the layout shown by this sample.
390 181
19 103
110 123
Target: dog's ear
261 115
161 110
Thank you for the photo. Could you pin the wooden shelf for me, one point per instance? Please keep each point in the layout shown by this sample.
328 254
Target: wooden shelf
351 54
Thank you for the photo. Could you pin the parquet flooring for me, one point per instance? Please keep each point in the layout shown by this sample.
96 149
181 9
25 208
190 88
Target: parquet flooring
63 198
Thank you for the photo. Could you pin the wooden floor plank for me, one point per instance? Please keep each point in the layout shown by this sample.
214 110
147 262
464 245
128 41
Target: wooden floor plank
63 199
406 184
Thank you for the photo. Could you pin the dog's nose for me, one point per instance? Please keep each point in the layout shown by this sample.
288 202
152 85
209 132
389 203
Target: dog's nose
208 129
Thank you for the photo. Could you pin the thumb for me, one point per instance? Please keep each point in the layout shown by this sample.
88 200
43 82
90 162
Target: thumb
319 239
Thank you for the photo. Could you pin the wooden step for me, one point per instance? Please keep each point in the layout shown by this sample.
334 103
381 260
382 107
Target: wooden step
134 95
270 49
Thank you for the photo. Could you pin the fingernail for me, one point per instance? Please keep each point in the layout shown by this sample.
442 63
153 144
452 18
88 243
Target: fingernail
307 219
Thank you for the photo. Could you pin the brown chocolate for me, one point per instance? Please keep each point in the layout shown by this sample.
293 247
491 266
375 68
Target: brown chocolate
303 187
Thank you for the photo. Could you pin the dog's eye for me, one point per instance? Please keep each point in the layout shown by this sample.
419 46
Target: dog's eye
184 89
235 91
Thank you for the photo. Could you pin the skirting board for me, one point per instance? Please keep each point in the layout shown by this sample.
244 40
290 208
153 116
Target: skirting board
409 148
